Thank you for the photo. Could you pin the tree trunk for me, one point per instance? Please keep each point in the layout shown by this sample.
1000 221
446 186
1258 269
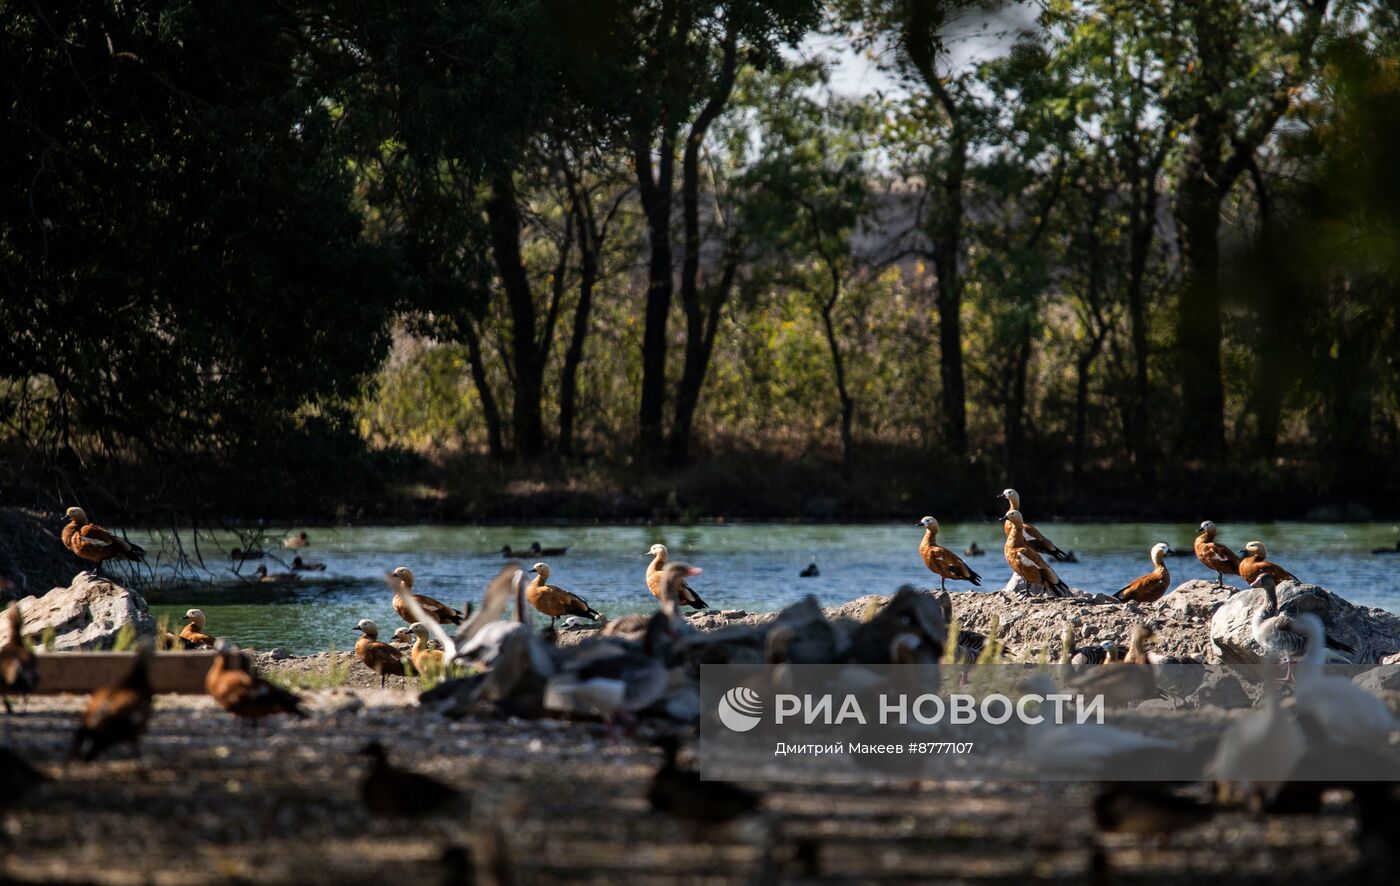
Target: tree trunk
947 242
503 217
1199 324
838 366
1143 220
495 447
654 191
589 242
1012 429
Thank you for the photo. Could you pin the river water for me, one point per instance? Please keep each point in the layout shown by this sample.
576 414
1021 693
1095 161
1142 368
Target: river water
747 566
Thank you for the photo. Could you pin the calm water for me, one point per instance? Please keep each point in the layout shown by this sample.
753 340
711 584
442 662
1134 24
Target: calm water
747 566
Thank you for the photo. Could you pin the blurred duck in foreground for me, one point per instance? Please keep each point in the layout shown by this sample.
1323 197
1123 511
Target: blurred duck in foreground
116 714
1255 562
1149 588
391 791
1025 560
1034 537
192 635
246 696
301 565
1132 679
940 561
555 601
19 672
659 556
681 793
95 544
401 581
1214 555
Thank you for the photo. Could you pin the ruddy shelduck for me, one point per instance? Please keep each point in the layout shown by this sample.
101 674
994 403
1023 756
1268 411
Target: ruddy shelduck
1149 588
378 656
555 601
1256 562
1214 555
940 561
1025 560
401 580
19 672
95 544
116 714
659 556
192 635
1034 537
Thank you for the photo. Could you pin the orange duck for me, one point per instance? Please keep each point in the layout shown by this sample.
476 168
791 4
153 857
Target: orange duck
426 659
1034 537
116 714
659 555
95 544
1214 555
1025 560
401 580
1149 588
378 656
555 601
192 635
19 672
243 694
941 561
1255 562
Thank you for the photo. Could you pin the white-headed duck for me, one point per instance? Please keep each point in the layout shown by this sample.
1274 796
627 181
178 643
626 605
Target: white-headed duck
1214 555
1256 561
555 601
192 635
401 580
379 657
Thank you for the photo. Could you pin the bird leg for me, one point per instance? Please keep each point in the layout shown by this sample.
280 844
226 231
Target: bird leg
943 582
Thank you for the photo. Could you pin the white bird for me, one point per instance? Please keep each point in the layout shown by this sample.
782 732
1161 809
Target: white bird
1349 714
1260 751
1087 747
1277 632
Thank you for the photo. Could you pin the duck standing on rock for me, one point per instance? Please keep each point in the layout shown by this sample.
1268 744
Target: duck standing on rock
192 635
659 555
940 561
555 601
379 657
1254 563
401 580
1025 561
1034 537
1149 588
1132 679
19 672
1214 555
95 544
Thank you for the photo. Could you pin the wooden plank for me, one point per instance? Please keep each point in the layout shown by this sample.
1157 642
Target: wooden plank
177 672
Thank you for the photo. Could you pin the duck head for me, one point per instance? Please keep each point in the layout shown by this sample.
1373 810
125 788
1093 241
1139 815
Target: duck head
403 574
1014 517
541 570
1255 549
195 617
368 628
1159 552
77 515
1207 529
656 551
1013 498
929 523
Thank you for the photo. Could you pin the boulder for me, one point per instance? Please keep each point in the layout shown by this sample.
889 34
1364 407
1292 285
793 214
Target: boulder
88 614
1372 633
1197 598
1386 677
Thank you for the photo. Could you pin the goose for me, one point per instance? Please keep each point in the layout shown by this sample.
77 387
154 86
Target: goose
378 656
682 794
941 561
1349 714
389 790
300 565
659 556
1214 555
95 544
19 671
1279 634
192 635
1255 561
1025 561
243 694
1259 751
116 714
555 601
296 542
401 581
1149 588
1035 537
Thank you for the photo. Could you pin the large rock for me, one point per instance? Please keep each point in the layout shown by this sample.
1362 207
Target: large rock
88 614
1372 633
1196 598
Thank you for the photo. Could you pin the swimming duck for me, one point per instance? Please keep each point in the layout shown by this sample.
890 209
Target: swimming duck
1394 550
279 578
246 554
1025 560
1034 537
388 790
1279 634
1149 588
811 571
401 580
1214 555
19 672
301 565
940 561
95 544
243 694
1132 679
1255 561
537 551
426 660
682 794
555 601
296 542
192 635
379 657
973 550
659 555
116 714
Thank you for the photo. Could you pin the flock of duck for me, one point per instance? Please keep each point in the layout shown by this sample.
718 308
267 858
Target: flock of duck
646 663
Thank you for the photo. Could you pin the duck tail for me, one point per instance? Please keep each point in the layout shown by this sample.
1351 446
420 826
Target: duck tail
974 578
136 554
1118 595
1062 587
696 602
1059 555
